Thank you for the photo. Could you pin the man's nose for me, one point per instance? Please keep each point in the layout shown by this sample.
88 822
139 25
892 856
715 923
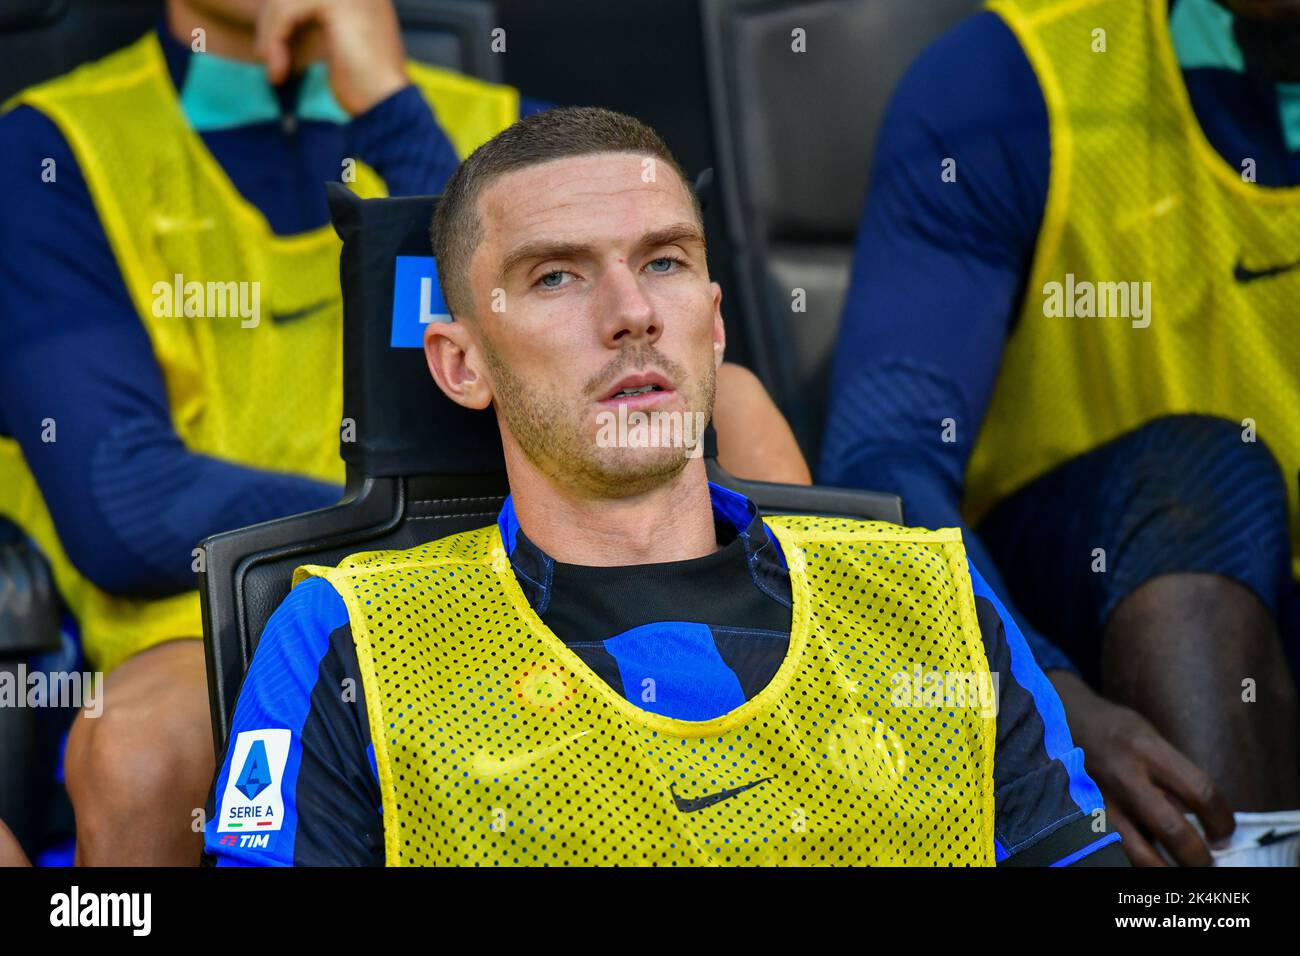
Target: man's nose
626 310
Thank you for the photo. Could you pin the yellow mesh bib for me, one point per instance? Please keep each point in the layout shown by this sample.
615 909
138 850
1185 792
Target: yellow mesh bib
1137 193
497 745
267 395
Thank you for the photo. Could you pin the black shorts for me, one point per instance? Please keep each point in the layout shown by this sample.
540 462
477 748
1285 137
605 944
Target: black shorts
1182 493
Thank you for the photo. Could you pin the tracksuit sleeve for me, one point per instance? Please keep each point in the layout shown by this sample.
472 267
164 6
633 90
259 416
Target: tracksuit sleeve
958 189
402 141
297 785
1049 812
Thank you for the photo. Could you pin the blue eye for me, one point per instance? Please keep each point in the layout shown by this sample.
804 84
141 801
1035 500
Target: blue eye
546 282
669 261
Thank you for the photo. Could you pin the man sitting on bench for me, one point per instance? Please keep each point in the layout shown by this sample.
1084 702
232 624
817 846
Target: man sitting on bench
633 666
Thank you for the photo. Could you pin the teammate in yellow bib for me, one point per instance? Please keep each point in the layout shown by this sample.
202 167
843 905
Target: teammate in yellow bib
631 667
172 352
1073 317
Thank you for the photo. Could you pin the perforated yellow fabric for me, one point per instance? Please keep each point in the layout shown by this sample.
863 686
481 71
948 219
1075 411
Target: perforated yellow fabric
496 745
265 390
1138 194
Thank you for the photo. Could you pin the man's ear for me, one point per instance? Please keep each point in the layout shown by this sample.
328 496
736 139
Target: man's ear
456 363
719 330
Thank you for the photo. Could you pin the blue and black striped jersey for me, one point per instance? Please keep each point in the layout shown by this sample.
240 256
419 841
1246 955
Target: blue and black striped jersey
713 631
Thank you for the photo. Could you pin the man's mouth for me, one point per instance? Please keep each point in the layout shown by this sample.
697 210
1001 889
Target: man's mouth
641 390
636 386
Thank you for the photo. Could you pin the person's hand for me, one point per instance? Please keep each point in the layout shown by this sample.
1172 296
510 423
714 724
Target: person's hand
11 853
359 41
1148 785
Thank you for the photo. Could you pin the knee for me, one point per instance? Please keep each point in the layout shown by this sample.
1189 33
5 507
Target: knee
1218 471
1196 493
136 754
115 761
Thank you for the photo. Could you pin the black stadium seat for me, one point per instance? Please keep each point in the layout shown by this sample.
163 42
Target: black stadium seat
41 39
29 626
420 466
794 136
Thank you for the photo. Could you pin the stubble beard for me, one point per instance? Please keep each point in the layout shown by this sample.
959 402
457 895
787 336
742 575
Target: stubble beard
550 431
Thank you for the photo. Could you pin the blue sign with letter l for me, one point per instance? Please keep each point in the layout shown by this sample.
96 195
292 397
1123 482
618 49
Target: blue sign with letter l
417 301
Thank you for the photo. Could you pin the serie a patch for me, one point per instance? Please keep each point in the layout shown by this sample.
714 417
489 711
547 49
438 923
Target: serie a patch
252 801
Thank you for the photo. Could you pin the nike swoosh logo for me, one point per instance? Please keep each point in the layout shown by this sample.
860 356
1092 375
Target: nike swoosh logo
486 765
691 804
1242 274
282 317
1272 836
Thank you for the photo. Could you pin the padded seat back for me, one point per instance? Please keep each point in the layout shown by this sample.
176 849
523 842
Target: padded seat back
794 136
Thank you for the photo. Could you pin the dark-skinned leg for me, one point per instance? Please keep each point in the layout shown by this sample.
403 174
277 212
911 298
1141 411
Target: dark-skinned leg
1158 561
1188 652
139 773
1177 650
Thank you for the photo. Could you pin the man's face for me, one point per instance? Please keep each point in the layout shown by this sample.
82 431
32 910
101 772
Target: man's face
589 280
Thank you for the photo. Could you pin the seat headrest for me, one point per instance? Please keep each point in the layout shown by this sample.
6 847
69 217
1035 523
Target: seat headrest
40 39
396 419
800 130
